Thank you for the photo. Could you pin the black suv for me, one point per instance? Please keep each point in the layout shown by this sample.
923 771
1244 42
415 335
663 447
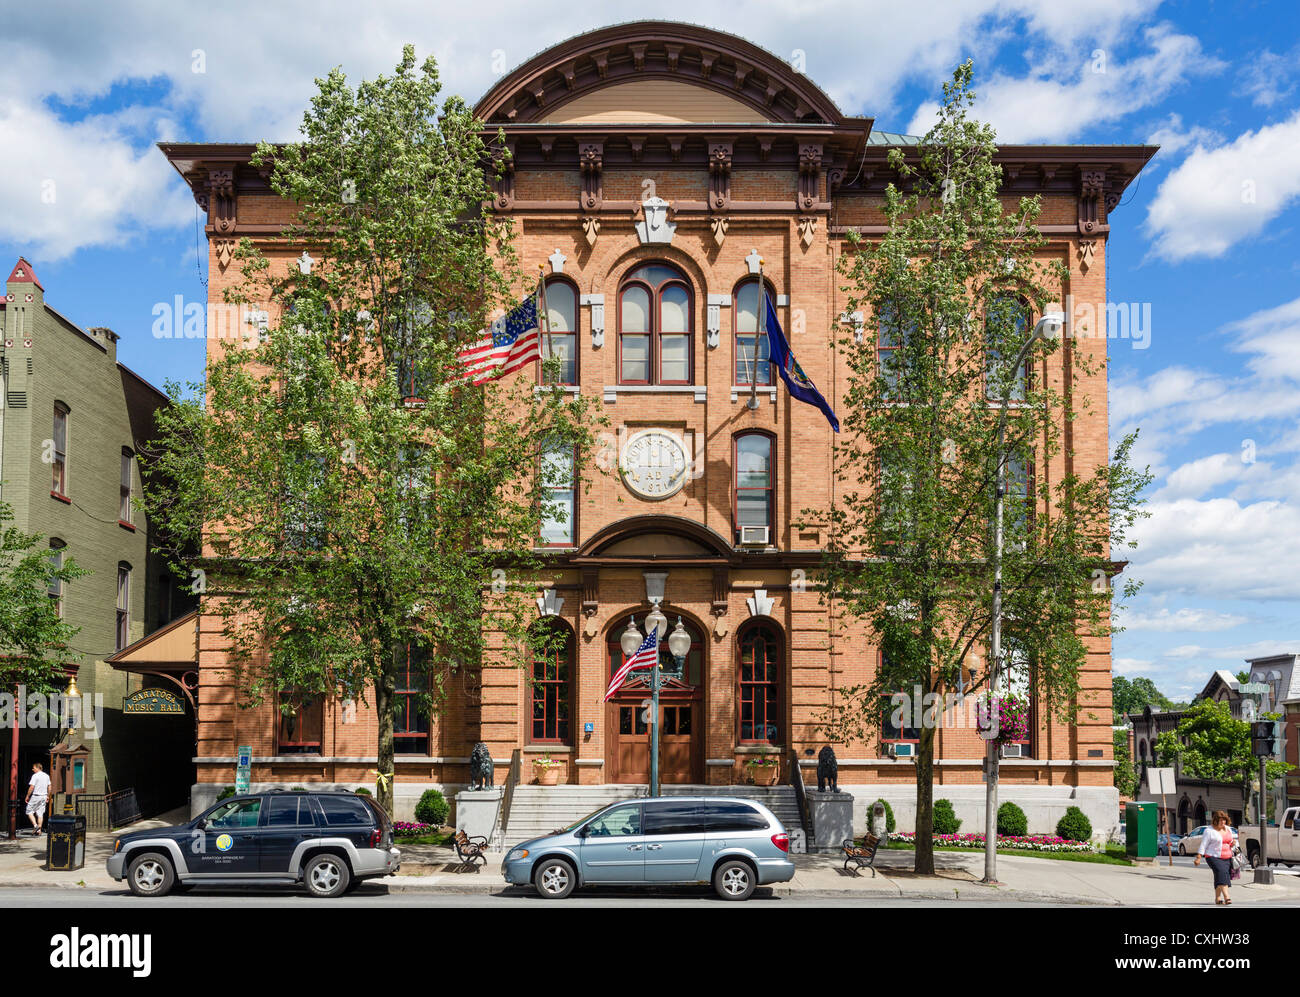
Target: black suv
328 841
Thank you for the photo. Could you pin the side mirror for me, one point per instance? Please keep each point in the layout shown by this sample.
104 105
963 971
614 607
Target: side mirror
201 824
581 832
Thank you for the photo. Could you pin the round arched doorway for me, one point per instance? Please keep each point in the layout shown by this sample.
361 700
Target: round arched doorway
681 712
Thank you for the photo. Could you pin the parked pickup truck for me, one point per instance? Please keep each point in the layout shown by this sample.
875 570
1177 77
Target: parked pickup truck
1283 842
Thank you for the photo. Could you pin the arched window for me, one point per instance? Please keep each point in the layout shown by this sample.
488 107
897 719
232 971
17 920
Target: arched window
59 486
759 676
745 319
54 587
552 685
1006 330
410 714
123 605
655 324
754 489
560 338
124 505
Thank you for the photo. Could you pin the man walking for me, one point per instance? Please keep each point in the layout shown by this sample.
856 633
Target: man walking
38 797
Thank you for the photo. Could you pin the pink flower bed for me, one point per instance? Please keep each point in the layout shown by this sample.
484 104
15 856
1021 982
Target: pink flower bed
1026 842
409 829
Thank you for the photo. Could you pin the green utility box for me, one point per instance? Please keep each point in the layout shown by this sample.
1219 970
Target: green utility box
1140 829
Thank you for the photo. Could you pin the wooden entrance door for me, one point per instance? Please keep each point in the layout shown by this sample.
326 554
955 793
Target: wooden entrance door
680 719
681 716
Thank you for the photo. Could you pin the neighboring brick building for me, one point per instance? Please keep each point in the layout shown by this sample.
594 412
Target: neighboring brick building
652 165
71 422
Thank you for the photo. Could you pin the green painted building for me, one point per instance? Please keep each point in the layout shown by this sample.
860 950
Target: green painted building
72 420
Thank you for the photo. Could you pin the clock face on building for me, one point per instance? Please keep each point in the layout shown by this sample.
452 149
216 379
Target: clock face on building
654 463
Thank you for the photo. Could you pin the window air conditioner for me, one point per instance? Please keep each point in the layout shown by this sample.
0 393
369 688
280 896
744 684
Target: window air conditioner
754 536
1013 750
900 750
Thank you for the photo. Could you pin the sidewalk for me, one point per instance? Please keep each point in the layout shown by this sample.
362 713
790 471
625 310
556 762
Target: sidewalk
432 869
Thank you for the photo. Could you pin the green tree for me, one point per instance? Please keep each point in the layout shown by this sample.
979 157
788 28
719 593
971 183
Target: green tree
1130 696
356 502
1210 743
954 285
35 643
1126 773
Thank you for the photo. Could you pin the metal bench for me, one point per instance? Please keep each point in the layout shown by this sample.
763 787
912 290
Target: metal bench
861 855
470 850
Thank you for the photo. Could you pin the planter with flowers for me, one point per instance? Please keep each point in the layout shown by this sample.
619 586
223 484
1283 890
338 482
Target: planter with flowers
546 770
762 769
1007 716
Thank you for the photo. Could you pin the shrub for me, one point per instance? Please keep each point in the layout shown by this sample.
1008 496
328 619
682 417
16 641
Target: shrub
1074 826
1012 820
432 808
298 789
945 819
889 816
362 791
225 793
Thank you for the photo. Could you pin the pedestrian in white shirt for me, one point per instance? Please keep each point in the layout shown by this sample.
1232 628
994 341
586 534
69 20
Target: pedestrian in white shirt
38 797
1216 848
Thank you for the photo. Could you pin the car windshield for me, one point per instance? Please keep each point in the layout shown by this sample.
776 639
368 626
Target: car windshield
578 823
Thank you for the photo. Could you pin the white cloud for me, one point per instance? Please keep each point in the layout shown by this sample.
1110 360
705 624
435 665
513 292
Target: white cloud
86 183
1267 78
1173 137
1220 548
1217 197
1185 619
254 86
1069 90
1130 666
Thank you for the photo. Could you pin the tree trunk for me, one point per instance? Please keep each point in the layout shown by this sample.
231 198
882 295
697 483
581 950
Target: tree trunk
925 802
384 692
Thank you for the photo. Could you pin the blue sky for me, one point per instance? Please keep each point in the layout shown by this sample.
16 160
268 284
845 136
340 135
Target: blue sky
1207 237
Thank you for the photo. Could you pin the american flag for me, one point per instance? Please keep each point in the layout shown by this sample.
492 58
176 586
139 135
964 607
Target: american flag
647 656
513 341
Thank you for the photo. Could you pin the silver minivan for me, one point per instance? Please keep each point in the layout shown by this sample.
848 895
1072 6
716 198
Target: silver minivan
735 844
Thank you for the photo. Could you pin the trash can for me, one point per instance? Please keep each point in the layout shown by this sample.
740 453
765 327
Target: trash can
65 842
1140 829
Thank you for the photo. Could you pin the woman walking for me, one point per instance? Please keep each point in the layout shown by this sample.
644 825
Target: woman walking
1216 848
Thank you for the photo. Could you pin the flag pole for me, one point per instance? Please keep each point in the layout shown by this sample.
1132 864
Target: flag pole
758 334
543 316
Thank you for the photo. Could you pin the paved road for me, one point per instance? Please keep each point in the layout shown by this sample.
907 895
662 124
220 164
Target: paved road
378 896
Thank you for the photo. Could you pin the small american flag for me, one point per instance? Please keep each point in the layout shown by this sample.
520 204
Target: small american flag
513 341
647 656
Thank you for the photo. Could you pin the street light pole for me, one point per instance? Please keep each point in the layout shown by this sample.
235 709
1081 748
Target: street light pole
655 622
1044 327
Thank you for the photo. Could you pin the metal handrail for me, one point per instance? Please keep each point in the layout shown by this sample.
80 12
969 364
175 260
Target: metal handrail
800 795
512 780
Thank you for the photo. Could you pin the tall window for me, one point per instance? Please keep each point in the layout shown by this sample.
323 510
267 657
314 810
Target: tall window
123 605
895 500
898 721
303 499
552 675
410 715
55 585
754 488
746 319
894 334
124 488
302 719
414 367
1006 329
655 321
559 506
560 339
1016 679
60 439
760 684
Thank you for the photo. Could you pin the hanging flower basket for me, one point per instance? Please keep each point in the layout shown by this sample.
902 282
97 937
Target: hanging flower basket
1006 716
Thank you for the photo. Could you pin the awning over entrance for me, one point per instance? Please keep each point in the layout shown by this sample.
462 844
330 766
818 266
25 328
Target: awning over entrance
171 652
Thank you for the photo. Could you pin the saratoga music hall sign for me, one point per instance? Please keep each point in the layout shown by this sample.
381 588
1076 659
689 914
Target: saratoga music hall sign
659 172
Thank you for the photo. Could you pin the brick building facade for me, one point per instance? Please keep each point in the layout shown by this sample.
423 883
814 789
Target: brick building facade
651 167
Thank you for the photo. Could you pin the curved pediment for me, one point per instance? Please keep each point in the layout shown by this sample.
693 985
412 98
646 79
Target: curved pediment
657 536
638 73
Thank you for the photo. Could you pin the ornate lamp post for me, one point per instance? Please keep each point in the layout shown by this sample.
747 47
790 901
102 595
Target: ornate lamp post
679 645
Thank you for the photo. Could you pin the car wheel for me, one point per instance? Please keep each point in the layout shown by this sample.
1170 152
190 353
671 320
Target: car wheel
734 880
555 879
150 875
1181 850
1252 856
326 876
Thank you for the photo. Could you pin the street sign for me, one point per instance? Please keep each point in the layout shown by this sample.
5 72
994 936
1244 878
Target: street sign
155 701
1161 781
243 769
